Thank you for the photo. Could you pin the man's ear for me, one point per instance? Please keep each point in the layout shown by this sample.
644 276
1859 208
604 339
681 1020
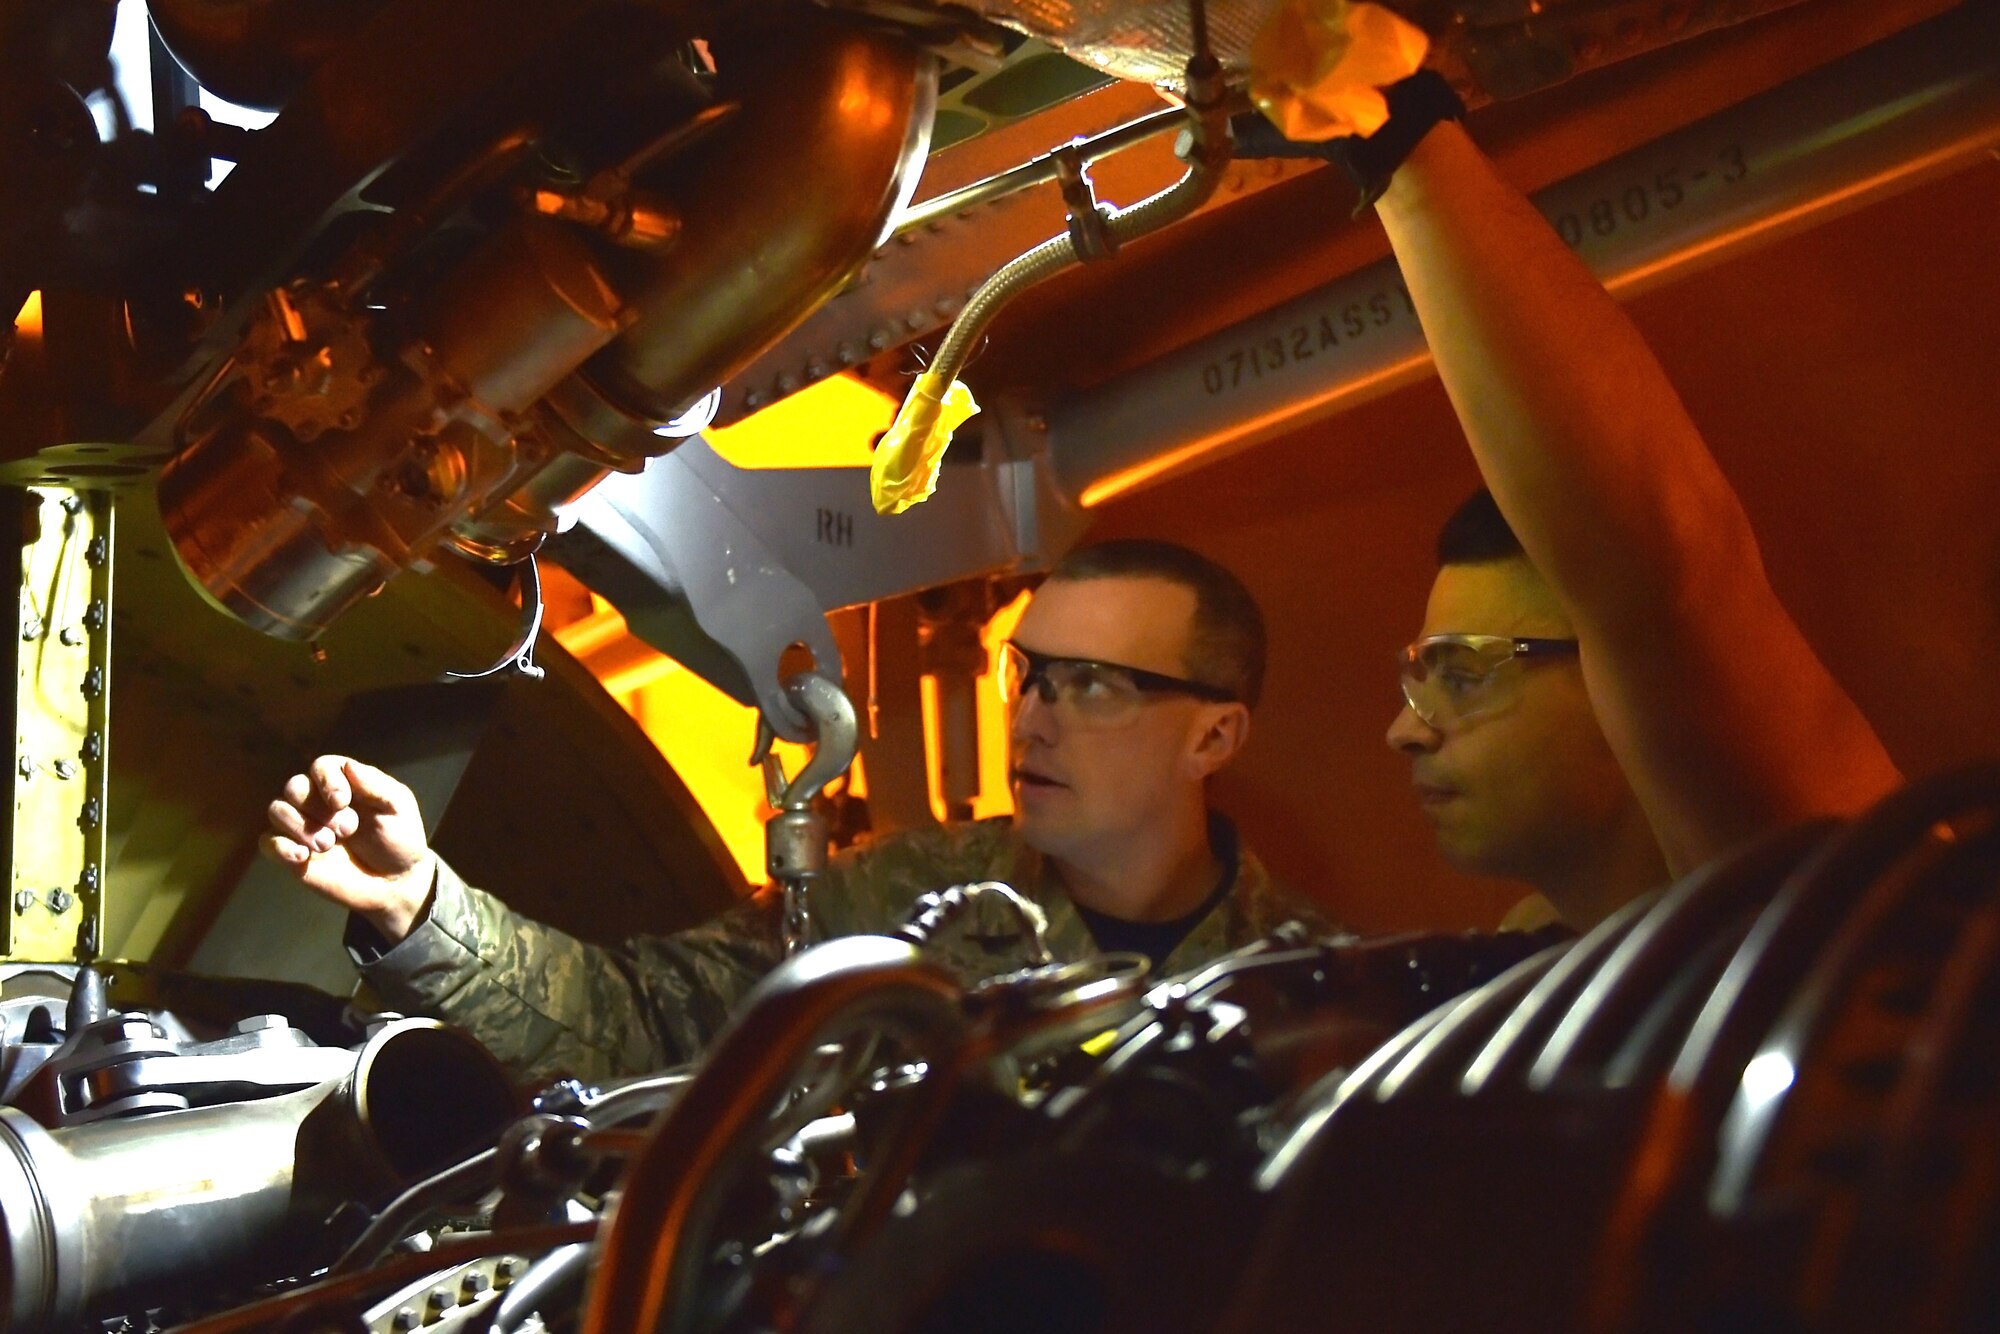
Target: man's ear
1222 731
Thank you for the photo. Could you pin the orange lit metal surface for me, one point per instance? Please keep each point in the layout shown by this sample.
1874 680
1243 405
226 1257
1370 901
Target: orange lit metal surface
28 324
832 424
1249 429
706 735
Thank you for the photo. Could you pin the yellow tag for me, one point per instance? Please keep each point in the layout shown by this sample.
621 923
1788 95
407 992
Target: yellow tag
1317 66
905 469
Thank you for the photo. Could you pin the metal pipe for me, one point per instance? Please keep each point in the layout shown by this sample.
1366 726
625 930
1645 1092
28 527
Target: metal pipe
1207 120
1039 171
861 984
116 1209
1879 121
785 204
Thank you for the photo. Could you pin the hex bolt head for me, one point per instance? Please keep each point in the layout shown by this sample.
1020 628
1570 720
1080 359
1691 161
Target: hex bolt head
136 1028
474 1285
260 1023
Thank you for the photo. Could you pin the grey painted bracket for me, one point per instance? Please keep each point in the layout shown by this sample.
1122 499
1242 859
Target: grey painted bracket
723 568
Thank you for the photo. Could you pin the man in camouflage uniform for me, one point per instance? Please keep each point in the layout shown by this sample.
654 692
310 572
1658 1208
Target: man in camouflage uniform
1132 675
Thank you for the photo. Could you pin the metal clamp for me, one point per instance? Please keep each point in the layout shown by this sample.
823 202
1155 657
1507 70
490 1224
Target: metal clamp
796 836
520 659
1089 229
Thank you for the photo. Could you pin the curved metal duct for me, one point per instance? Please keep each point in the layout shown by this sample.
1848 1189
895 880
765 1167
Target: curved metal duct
114 1209
779 212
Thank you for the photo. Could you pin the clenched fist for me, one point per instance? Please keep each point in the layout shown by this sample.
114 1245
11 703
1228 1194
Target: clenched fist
354 834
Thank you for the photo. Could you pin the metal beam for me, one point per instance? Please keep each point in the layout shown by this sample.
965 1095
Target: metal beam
1919 104
61 753
722 568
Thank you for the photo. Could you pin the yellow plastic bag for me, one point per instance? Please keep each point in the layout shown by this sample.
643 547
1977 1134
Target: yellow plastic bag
1317 66
905 469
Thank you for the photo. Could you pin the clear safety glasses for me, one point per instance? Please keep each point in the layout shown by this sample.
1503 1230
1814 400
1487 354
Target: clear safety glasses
1452 678
1089 693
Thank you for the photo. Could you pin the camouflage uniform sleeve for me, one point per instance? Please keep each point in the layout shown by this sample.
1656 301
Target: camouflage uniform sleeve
1270 903
546 1003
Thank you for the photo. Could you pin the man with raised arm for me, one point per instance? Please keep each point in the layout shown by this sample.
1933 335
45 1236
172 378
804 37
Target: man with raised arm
1132 675
1638 582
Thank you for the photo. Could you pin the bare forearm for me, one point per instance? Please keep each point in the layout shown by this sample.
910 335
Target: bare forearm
1723 718
1576 427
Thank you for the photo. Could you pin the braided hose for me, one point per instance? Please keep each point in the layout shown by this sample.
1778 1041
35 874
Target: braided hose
1207 154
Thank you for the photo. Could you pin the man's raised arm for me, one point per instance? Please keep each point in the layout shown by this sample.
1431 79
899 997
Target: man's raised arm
1724 719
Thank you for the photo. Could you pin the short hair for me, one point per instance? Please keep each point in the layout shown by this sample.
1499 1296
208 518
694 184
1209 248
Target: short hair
1226 643
1477 532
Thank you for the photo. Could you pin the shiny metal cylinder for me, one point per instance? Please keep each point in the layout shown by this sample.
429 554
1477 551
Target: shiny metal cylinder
522 519
788 201
254 547
521 313
784 206
112 1211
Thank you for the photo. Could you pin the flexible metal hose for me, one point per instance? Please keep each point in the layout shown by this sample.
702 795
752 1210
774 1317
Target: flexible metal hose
1207 155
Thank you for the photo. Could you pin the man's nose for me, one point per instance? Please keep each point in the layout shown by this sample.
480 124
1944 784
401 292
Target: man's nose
1411 735
1034 718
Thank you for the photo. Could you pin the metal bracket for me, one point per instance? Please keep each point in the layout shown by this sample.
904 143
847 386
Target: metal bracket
694 581
1087 230
62 686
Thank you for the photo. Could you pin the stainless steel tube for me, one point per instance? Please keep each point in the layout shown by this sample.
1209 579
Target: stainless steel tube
112 1210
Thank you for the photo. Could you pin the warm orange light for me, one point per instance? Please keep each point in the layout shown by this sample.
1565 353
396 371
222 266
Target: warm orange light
706 736
996 794
1248 431
832 424
28 324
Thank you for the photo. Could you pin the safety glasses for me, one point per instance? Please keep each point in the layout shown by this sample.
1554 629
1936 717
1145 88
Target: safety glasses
1091 693
1452 678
